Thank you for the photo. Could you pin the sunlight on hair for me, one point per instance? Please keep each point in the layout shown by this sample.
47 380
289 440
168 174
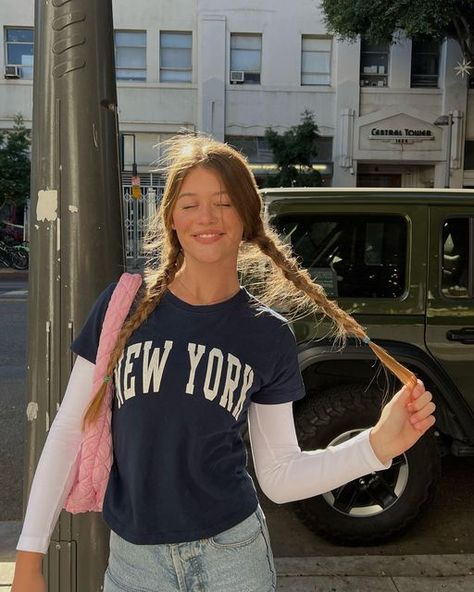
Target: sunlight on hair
266 265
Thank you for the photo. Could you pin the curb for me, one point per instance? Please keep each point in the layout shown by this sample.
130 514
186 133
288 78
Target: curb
432 566
6 574
13 274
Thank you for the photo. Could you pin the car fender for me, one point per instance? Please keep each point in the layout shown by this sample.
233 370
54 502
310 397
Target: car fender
453 415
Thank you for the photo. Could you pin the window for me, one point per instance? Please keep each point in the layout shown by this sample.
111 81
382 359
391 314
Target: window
352 256
130 55
315 61
258 150
455 260
19 46
246 57
255 148
127 151
175 56
374 59
469 155
425 64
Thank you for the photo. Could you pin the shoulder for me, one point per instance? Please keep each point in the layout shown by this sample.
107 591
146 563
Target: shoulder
270 320
101 302
106 294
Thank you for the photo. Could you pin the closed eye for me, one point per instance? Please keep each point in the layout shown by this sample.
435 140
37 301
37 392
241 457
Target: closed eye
218 204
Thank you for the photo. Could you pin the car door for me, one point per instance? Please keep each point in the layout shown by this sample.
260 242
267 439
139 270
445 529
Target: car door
450 300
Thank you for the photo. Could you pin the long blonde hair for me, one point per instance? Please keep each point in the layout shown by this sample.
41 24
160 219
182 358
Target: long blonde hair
265 261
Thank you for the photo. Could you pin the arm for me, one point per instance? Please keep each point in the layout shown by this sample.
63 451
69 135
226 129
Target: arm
54 472
286 473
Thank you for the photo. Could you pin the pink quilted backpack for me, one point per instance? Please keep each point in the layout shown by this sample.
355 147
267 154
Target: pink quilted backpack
94 460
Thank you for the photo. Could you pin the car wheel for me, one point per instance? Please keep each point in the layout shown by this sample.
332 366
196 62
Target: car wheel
377 506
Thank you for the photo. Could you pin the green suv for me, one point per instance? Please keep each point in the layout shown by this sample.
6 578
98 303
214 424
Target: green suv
402 262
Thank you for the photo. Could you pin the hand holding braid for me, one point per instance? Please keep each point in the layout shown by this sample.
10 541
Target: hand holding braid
409 414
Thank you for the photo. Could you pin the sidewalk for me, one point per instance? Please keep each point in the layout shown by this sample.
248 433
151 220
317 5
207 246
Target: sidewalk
13 274
415 573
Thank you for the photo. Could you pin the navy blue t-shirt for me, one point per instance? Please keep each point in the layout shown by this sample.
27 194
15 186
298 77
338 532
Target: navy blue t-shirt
182 390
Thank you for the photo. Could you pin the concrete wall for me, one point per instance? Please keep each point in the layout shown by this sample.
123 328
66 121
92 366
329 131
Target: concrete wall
211 104
15 96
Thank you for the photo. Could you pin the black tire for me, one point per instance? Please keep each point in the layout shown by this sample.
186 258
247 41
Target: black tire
19 259
5 259
408 486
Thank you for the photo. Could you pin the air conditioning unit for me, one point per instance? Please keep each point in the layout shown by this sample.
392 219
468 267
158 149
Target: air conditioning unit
12 72
237 76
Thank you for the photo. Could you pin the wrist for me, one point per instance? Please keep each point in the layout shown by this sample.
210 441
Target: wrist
29 560
378 446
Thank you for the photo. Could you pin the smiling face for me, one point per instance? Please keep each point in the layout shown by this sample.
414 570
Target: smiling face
207 224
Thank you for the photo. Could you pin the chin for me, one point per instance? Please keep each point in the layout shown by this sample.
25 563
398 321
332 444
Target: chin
209 258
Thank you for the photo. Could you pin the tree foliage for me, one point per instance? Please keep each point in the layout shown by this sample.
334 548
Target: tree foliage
294 152
379 20
15 164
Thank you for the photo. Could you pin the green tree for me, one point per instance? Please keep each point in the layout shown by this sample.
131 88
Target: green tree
294 152
379 20
15 164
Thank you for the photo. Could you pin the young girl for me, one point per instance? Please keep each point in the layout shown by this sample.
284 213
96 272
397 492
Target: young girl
197 354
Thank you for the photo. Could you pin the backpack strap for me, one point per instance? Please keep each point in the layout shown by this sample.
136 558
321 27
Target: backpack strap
117 310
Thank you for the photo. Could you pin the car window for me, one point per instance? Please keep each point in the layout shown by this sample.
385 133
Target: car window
357 256
455 259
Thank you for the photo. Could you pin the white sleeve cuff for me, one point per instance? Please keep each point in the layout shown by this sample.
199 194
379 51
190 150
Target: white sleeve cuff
366 449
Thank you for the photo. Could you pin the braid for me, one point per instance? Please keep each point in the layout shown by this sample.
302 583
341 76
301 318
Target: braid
301 279
146 301
315 299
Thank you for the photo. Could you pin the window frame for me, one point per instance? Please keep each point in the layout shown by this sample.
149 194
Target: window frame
438 55
330 52
376 75
470 269
257 35
117 68
471 150
175 69
364 218
7 43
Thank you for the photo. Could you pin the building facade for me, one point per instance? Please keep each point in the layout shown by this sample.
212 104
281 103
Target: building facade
388 115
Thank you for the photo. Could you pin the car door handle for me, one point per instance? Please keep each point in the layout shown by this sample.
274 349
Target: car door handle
464 335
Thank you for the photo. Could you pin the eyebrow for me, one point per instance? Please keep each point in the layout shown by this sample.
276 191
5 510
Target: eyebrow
190 193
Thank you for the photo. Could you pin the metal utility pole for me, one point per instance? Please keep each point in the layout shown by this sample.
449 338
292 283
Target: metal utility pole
76 238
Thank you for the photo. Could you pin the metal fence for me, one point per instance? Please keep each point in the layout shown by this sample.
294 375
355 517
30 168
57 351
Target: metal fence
137 212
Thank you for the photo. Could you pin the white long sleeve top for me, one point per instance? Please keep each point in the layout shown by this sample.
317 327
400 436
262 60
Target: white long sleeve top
285 473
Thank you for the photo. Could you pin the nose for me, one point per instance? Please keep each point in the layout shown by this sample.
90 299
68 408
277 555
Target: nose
207 213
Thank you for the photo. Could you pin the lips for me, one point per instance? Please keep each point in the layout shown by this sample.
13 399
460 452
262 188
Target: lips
207 238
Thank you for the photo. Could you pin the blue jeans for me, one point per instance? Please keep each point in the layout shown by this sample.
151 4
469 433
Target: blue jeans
239 559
